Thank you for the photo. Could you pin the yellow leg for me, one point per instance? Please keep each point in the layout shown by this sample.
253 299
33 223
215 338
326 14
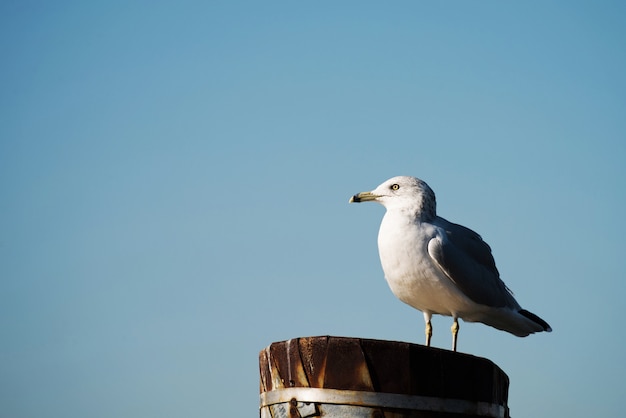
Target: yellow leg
455 332
429 328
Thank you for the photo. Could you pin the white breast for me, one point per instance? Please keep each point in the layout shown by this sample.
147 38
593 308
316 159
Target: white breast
412 275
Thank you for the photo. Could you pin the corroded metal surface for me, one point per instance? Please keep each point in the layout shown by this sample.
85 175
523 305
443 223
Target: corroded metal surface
431 382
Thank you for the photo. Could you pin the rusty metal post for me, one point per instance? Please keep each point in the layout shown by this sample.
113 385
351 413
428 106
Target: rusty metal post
352 377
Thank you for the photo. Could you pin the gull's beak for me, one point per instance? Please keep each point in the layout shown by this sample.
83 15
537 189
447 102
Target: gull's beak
363 197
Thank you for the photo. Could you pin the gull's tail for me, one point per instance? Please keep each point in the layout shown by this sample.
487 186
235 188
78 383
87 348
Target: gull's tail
517 321
536 320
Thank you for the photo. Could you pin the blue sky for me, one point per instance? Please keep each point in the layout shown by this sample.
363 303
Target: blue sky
175 180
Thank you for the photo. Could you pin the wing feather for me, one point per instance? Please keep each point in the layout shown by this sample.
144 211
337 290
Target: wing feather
467 260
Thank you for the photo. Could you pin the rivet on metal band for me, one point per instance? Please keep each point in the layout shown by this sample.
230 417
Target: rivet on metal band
382 400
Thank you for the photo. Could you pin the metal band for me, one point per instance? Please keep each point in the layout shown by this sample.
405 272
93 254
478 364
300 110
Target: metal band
382 400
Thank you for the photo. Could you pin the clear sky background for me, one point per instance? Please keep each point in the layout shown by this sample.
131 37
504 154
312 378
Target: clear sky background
174 184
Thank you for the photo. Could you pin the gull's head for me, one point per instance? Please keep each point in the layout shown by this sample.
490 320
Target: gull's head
403 193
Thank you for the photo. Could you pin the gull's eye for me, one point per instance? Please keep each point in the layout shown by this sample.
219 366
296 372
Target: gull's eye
395 186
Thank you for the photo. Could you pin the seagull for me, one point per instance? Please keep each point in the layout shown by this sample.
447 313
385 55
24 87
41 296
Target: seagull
439 267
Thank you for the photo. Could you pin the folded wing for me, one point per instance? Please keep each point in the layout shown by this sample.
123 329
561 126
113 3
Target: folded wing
467 260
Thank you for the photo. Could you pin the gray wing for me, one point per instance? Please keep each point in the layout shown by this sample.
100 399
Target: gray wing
467 261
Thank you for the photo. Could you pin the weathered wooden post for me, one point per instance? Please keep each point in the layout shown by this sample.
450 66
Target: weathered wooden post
353 377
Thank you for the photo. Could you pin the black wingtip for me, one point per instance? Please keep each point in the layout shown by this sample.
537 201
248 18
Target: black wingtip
535 318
